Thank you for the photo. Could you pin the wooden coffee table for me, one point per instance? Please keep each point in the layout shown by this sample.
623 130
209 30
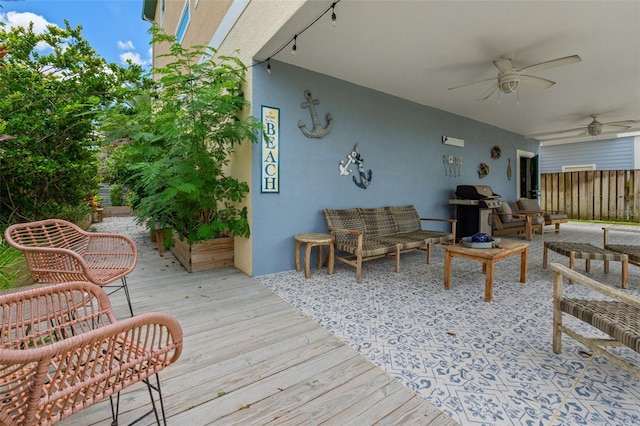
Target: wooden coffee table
488 257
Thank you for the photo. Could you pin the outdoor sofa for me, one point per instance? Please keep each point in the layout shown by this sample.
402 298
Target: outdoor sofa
362 234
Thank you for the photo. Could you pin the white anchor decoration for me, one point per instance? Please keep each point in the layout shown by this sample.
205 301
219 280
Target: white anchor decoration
318 131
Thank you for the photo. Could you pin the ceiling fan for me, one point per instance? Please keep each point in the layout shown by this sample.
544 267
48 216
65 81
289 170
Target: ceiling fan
509 77
595 128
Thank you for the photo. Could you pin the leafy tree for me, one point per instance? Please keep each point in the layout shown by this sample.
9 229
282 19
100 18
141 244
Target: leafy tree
49 100
181 138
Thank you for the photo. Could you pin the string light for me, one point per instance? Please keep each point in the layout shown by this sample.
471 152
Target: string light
294 48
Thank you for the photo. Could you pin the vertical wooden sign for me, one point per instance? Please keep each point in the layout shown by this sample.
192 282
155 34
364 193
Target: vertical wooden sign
270 174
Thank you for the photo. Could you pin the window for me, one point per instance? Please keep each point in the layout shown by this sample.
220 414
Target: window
184 22
579 168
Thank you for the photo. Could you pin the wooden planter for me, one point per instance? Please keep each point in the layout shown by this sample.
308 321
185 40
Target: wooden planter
204 255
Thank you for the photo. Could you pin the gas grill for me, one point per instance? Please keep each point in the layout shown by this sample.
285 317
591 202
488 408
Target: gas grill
474 206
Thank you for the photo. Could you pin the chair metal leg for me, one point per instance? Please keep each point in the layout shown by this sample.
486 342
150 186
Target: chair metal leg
126 291
154 409
115 409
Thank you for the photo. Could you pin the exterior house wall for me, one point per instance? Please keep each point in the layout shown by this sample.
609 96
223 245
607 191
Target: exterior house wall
205 17
613 154
398 140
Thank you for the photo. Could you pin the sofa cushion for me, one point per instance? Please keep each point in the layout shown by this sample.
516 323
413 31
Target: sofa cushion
378 221
406 217
528 205
370 247
505 212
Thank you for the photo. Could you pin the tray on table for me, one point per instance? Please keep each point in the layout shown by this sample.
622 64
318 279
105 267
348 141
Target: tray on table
466 241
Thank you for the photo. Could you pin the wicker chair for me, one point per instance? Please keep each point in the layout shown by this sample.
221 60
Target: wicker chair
58 251
62 351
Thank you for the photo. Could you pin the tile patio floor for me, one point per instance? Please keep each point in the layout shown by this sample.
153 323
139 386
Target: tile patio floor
481 363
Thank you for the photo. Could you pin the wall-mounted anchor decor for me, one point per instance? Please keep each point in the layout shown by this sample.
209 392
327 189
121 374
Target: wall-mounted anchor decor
354 157
318 131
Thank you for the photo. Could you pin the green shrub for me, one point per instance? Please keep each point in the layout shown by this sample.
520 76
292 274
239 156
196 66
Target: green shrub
116 194
12 266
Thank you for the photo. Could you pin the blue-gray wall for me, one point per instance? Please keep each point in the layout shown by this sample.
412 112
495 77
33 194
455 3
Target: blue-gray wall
613 154
400 141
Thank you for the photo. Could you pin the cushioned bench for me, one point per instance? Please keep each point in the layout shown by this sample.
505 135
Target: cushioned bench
618 316
367 234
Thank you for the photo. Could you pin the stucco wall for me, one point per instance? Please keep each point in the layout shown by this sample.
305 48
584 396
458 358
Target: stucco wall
398 140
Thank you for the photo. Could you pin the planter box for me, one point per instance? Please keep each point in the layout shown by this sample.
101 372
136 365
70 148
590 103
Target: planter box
204 255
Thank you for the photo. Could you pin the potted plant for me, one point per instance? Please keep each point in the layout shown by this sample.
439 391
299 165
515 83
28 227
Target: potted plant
182 135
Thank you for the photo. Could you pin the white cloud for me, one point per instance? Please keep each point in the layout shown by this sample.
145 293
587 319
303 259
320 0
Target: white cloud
22 19
126 45
134 57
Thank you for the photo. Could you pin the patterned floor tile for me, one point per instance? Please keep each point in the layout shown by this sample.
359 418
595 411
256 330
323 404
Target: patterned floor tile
481 363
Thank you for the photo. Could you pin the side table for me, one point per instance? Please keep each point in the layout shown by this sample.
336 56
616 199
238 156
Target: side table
312 240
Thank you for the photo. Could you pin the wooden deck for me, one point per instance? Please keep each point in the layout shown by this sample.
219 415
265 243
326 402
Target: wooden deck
250 358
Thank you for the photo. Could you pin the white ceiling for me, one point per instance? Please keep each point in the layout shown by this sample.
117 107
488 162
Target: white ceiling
416 50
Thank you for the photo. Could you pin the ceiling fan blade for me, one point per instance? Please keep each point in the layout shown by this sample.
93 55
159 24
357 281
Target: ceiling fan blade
551 64
475 82
622 123
555 132
504 65
489 91
541 83
613 127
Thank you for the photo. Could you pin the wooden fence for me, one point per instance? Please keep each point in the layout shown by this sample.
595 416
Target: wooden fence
612 195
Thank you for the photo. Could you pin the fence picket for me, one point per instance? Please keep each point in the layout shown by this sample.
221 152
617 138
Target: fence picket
593 195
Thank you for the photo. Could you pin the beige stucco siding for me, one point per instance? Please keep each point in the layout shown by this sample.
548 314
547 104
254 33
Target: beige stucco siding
258 22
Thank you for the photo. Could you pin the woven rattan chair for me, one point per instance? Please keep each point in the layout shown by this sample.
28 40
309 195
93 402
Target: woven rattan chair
62 351
58 251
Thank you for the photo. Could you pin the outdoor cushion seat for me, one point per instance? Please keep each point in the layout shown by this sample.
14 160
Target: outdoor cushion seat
551 217
508 221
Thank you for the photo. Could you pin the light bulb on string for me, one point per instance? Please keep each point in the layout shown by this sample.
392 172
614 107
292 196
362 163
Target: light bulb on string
333 15
269 65
295 46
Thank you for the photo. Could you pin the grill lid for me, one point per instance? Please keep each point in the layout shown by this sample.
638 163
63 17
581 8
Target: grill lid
475 192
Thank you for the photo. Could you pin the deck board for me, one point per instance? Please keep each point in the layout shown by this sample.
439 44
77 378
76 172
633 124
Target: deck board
251 358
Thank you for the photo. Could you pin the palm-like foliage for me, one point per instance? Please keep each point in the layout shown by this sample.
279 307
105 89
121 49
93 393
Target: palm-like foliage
181 142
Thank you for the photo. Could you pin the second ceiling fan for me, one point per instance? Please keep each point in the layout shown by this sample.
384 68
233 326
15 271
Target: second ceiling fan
509 78
595 128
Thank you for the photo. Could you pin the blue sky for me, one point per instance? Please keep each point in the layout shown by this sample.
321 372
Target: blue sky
114 28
